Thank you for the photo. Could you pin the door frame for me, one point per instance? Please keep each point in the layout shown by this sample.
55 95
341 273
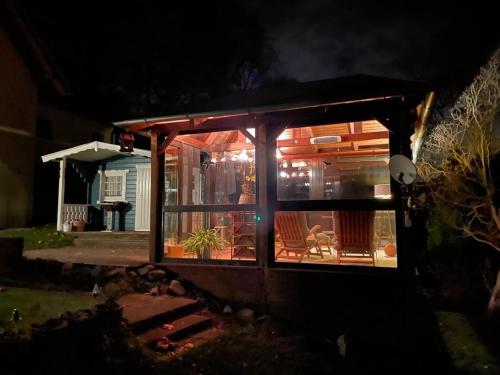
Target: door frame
148 204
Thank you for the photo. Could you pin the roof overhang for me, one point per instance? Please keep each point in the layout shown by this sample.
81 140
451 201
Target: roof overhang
291 97
93 151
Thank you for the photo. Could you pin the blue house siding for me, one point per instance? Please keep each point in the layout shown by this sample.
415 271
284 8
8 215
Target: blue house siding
122 162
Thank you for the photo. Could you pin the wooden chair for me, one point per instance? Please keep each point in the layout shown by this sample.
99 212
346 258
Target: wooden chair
354 235
294 235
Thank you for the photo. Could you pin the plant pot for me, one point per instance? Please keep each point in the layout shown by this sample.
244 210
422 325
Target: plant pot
66 227
247 198
390 250
174 251
207 254
78 225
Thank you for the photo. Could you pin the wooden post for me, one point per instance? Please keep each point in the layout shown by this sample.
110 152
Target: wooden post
316 190
157 183
261 160
60 196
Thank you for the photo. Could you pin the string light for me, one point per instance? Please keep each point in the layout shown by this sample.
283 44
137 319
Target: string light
243 155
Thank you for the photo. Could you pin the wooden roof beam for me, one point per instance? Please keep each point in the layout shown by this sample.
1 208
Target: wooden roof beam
192 141
168 140
337 154
345 138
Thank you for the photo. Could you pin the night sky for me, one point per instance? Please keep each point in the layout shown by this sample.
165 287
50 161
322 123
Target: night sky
125 60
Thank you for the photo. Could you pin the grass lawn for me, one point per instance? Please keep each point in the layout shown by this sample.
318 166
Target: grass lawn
468 352
36 306
40 237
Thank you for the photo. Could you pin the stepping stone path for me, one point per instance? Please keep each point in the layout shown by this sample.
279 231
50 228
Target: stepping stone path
167 324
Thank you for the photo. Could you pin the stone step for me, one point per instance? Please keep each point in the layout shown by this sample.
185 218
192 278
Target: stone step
181 329
193 341
105 243
142 311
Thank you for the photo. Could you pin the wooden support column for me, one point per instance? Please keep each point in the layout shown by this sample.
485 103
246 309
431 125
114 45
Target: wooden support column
400 124
317 188
262 156
157 187
60 196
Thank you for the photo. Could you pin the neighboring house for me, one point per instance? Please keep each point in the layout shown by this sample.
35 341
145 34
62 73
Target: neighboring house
296 180
117 186
31 124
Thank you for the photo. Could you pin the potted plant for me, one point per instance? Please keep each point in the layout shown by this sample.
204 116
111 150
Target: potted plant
203 242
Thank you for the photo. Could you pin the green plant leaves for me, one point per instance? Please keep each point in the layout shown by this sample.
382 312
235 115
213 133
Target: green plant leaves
203 240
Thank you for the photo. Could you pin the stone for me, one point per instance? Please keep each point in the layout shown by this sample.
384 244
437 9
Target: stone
145 270
133 274
227 310
66 267
116 271
156 275
177 288
163 289
245 315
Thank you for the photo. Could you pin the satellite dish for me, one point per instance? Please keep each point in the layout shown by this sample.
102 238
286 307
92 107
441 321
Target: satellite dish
402 169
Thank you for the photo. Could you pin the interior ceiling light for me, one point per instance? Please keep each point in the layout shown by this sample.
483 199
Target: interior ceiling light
243 155
326 139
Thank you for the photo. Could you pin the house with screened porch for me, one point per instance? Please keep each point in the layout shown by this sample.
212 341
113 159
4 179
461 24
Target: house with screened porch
294 181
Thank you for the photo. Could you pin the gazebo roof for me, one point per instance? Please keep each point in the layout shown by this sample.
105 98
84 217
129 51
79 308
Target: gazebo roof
93 151
290 96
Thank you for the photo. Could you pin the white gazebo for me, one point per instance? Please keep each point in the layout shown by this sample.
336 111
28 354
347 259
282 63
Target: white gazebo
89 152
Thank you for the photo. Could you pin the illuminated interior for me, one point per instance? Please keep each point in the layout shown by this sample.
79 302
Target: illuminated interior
341 161
326 162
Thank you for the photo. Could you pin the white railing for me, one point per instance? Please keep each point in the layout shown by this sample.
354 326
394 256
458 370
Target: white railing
75 212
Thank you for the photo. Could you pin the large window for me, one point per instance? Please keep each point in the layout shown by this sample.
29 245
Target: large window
330 162
366 238
210 168
334 204
231 232
210 195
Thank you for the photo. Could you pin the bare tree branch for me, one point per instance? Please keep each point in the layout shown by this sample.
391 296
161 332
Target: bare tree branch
457 157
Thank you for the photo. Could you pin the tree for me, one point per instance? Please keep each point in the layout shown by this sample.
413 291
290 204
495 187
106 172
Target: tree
461 162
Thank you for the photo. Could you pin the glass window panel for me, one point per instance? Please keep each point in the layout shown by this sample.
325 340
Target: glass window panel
364 238
235 231
113 186
338 161
210 168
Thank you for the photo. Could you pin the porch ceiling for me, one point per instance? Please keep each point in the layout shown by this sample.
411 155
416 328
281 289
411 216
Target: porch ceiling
92 151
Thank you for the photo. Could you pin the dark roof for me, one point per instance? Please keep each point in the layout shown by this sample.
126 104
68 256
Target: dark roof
301 94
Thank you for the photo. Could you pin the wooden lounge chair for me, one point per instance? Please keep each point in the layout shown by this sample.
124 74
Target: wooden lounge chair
294 235
354 236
